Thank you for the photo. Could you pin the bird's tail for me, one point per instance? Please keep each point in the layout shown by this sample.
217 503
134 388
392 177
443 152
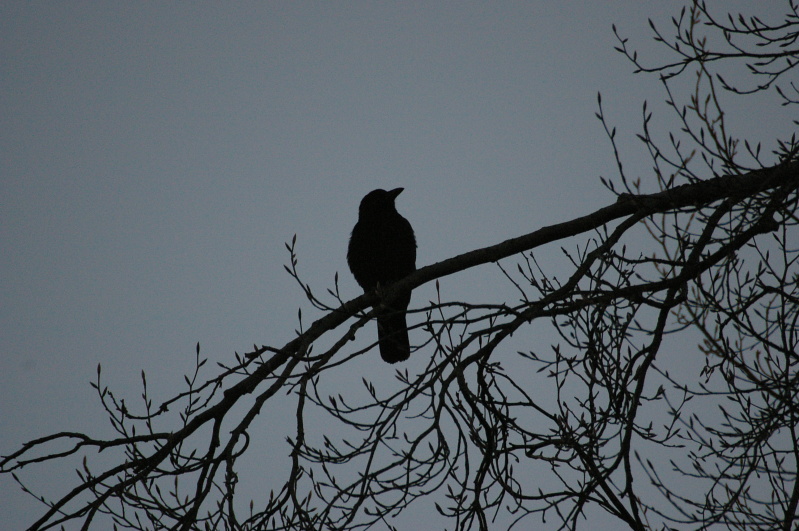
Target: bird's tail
392 336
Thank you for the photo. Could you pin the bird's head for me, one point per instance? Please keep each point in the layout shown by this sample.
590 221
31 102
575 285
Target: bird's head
378 202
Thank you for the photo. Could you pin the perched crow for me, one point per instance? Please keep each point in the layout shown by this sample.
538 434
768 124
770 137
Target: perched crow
382 250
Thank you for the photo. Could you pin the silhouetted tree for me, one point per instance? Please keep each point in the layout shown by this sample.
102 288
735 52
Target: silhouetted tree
608 418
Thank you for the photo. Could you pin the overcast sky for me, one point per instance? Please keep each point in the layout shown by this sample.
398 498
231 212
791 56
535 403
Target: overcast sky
154 157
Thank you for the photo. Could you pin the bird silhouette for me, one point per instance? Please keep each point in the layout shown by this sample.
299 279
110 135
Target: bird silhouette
382 250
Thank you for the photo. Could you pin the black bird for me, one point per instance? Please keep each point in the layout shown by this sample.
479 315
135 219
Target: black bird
382 251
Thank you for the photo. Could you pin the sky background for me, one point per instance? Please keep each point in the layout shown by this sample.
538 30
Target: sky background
154 158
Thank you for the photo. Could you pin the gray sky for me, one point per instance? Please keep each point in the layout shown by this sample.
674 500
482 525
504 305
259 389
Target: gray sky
156 156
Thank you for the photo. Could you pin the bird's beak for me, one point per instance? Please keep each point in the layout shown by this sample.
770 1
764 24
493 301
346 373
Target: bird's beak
395 192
